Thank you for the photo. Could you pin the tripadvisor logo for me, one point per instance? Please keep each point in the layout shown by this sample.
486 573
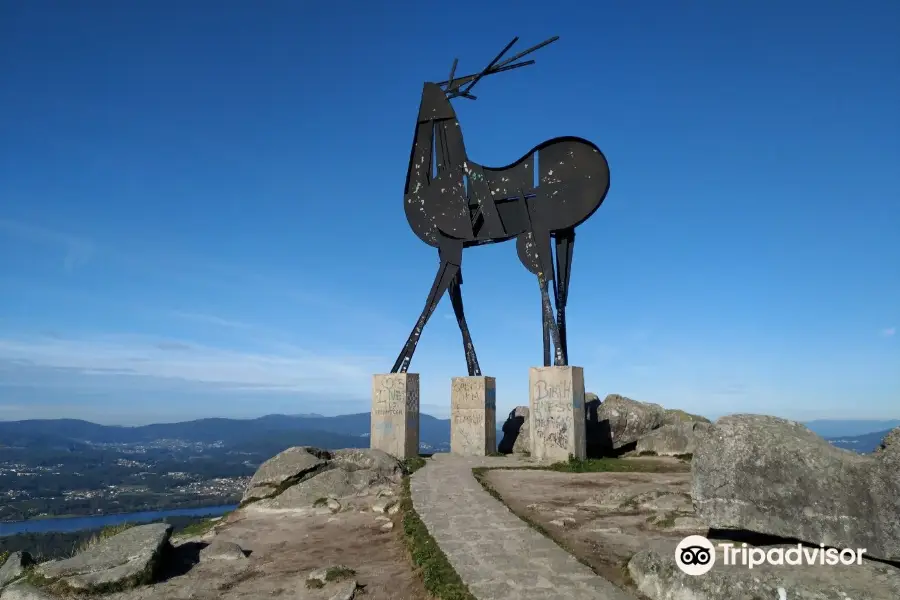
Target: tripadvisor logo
696 555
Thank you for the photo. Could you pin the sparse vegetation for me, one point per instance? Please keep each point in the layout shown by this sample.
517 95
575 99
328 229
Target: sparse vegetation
105 533
3 556
338 574
320 502
413 464
663 521
199 528
440 579
614 465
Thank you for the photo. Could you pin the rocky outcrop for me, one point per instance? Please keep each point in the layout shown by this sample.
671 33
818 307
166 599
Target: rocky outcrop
674 416
612 426
14 567
675 439
890 443
621 421
124 560
313 480
773 476
283 469
656 574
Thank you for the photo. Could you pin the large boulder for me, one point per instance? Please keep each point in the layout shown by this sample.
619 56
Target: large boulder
284 469
773 476
350 473
127 559
675 416
516 433
623 420
671 440
657 576
378 462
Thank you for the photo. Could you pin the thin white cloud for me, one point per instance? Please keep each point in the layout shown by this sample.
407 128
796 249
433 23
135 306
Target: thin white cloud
289 369
77 251
211 320
889 332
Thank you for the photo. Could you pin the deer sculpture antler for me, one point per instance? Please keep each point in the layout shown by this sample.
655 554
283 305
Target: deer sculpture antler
452 87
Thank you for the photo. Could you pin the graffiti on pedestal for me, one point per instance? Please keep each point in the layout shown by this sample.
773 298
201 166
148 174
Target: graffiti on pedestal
552 412
468 417
393 397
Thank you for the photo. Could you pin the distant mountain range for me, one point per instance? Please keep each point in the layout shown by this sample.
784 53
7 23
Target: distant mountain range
343 431
864 444
832 428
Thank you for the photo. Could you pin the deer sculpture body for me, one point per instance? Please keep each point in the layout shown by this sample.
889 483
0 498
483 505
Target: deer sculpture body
453 203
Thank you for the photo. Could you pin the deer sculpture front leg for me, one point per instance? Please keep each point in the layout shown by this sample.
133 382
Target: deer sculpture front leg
448 277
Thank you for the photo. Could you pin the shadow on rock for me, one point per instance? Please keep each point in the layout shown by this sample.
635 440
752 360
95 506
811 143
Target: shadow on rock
511 430
753 538
179 560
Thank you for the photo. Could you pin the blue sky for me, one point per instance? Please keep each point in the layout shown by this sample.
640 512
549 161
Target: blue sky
200 210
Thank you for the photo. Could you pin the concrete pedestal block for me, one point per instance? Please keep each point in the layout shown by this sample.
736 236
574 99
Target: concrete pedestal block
556 412
395 414
473 416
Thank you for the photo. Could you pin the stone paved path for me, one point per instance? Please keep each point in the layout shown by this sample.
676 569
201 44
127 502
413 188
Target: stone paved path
495 553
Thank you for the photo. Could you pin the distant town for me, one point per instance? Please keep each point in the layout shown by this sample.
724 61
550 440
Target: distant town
75 468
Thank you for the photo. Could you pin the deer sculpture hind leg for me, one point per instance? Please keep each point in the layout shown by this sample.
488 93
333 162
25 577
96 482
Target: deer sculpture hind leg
565 246
535 253
456 298
450 253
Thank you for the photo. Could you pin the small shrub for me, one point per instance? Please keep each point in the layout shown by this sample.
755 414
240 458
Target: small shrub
413 464
320 502
339 573
3 556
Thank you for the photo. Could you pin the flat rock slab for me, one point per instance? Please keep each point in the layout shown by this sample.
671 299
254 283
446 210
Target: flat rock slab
24 591
496 554
14 567
656 574
604 517
127 558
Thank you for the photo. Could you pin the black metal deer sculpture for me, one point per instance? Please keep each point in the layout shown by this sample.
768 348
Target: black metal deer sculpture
453 203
